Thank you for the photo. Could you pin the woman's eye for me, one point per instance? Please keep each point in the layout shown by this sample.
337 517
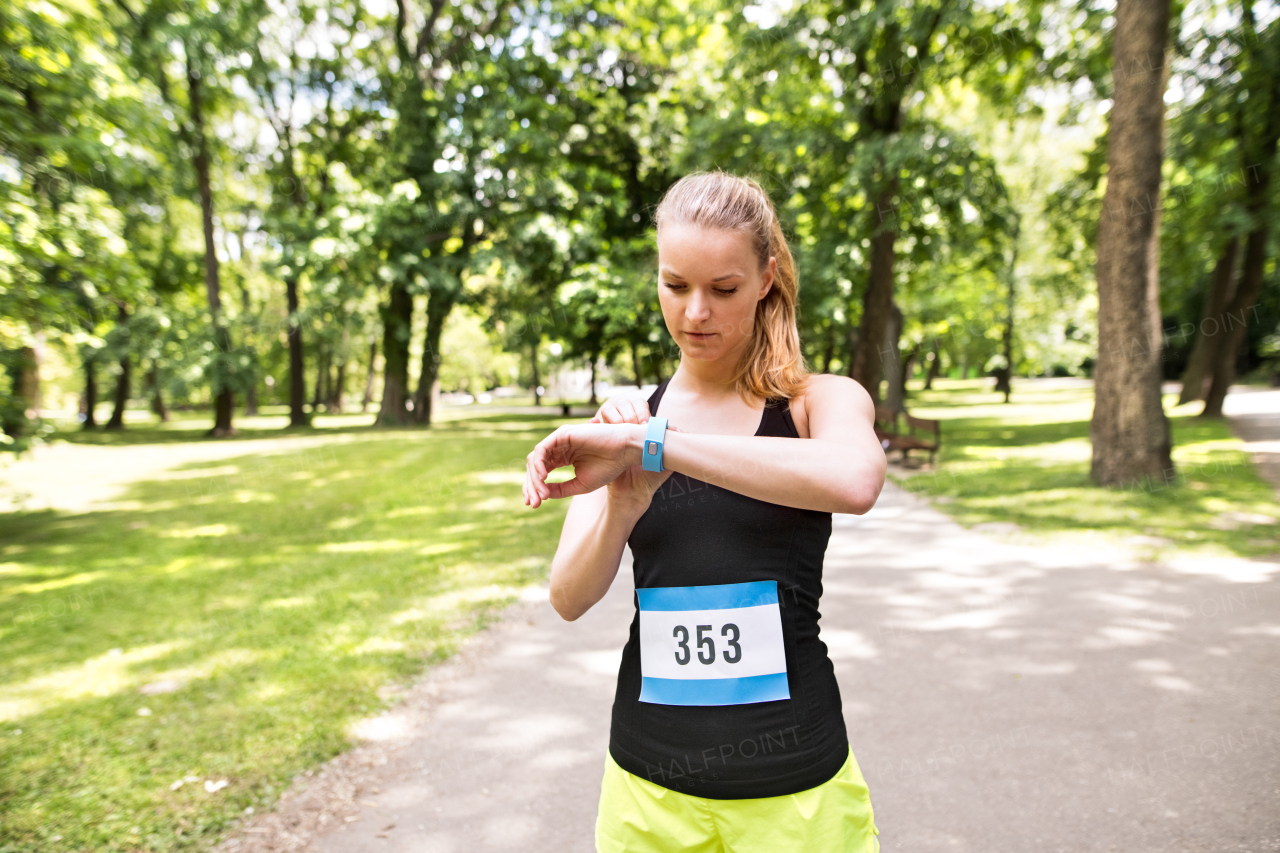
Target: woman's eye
673 285
728 292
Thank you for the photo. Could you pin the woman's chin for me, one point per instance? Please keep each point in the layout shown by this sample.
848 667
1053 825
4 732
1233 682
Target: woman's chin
701 350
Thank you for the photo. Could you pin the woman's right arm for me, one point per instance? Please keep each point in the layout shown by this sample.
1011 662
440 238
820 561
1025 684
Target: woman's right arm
596 529
598 524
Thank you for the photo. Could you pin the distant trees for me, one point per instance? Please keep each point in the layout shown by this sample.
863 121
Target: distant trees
205 202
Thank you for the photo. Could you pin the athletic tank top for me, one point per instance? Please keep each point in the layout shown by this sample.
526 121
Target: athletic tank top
695 534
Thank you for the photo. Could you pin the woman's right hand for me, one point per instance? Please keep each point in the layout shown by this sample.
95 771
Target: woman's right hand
634 485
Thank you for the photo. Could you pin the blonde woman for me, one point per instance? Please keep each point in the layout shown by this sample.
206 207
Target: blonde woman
727 729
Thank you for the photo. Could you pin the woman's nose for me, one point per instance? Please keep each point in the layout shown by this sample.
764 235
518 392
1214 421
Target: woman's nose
699 307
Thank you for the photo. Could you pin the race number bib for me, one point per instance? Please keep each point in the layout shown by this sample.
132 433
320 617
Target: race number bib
712 645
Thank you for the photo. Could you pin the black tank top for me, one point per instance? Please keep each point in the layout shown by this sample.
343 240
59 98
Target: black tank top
696 534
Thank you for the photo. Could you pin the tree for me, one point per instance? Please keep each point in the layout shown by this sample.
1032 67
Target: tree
1129 430
433 50
193 43
1259 133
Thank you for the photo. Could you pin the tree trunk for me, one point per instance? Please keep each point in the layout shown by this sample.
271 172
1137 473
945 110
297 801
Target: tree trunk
157 397
439 304
397 327
908 369
335 392
1004 376
251 394
635 364
90 389
935 366
297 359
24 375
1204 353
122 381
368 380
1242 304
122 395
1129 430
224 400
593 401
537 380
895 395
322 373
867 361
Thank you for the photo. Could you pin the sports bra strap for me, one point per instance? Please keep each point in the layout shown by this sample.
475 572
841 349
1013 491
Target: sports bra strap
776 419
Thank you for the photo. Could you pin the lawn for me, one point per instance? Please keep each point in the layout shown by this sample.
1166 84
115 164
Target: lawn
165 669
1027 463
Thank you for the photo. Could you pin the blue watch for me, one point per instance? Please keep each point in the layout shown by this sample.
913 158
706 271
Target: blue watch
655 435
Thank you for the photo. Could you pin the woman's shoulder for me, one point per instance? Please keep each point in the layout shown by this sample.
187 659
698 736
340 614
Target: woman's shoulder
826 389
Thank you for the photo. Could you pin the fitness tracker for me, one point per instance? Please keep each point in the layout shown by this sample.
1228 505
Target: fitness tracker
651 453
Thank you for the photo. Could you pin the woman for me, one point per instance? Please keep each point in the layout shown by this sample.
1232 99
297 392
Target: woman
727 729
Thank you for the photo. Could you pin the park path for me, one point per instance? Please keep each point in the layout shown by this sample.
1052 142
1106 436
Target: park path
1254 414
83 477
1000 696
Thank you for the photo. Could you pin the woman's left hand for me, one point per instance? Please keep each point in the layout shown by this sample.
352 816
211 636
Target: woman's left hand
597 452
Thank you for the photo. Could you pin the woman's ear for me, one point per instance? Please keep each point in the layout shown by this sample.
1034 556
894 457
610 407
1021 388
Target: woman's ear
766 281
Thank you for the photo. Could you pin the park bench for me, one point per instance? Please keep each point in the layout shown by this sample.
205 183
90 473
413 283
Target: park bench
898 430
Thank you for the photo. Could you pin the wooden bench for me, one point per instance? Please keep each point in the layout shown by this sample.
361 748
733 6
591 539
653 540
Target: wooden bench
900 431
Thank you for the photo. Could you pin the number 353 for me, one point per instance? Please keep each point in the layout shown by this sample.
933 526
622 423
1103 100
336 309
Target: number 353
706 644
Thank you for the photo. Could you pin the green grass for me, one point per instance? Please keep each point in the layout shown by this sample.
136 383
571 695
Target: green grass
1028 463
142 427
289 595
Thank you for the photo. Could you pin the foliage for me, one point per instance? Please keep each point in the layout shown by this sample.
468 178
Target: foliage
380 166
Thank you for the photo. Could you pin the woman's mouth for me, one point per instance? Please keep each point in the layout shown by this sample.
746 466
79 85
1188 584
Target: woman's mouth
700 336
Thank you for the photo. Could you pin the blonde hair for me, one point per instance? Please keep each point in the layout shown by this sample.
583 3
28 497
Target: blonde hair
773 365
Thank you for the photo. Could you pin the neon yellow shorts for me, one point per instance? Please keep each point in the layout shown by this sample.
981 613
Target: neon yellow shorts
638 816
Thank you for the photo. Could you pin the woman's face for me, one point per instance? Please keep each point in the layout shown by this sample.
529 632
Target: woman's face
709 282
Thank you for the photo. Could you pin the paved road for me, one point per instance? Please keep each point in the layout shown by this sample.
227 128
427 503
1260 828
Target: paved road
999 697
1254 414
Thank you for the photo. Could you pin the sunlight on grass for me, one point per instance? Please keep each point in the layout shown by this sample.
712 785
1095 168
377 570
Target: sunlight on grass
1027 463
230 622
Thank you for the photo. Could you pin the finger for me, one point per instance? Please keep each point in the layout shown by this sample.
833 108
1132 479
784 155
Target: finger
531 479
611 414
537 471
535 497
567 489
527 487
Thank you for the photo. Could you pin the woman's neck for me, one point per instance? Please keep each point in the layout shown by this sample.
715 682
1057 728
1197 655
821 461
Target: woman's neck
709 379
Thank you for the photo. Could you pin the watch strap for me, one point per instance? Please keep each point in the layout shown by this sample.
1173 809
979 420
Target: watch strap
651 452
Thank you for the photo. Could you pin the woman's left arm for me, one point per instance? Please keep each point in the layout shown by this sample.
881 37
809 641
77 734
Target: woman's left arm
839 468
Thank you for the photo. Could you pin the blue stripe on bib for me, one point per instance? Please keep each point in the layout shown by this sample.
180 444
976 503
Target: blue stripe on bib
722 597
716 691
